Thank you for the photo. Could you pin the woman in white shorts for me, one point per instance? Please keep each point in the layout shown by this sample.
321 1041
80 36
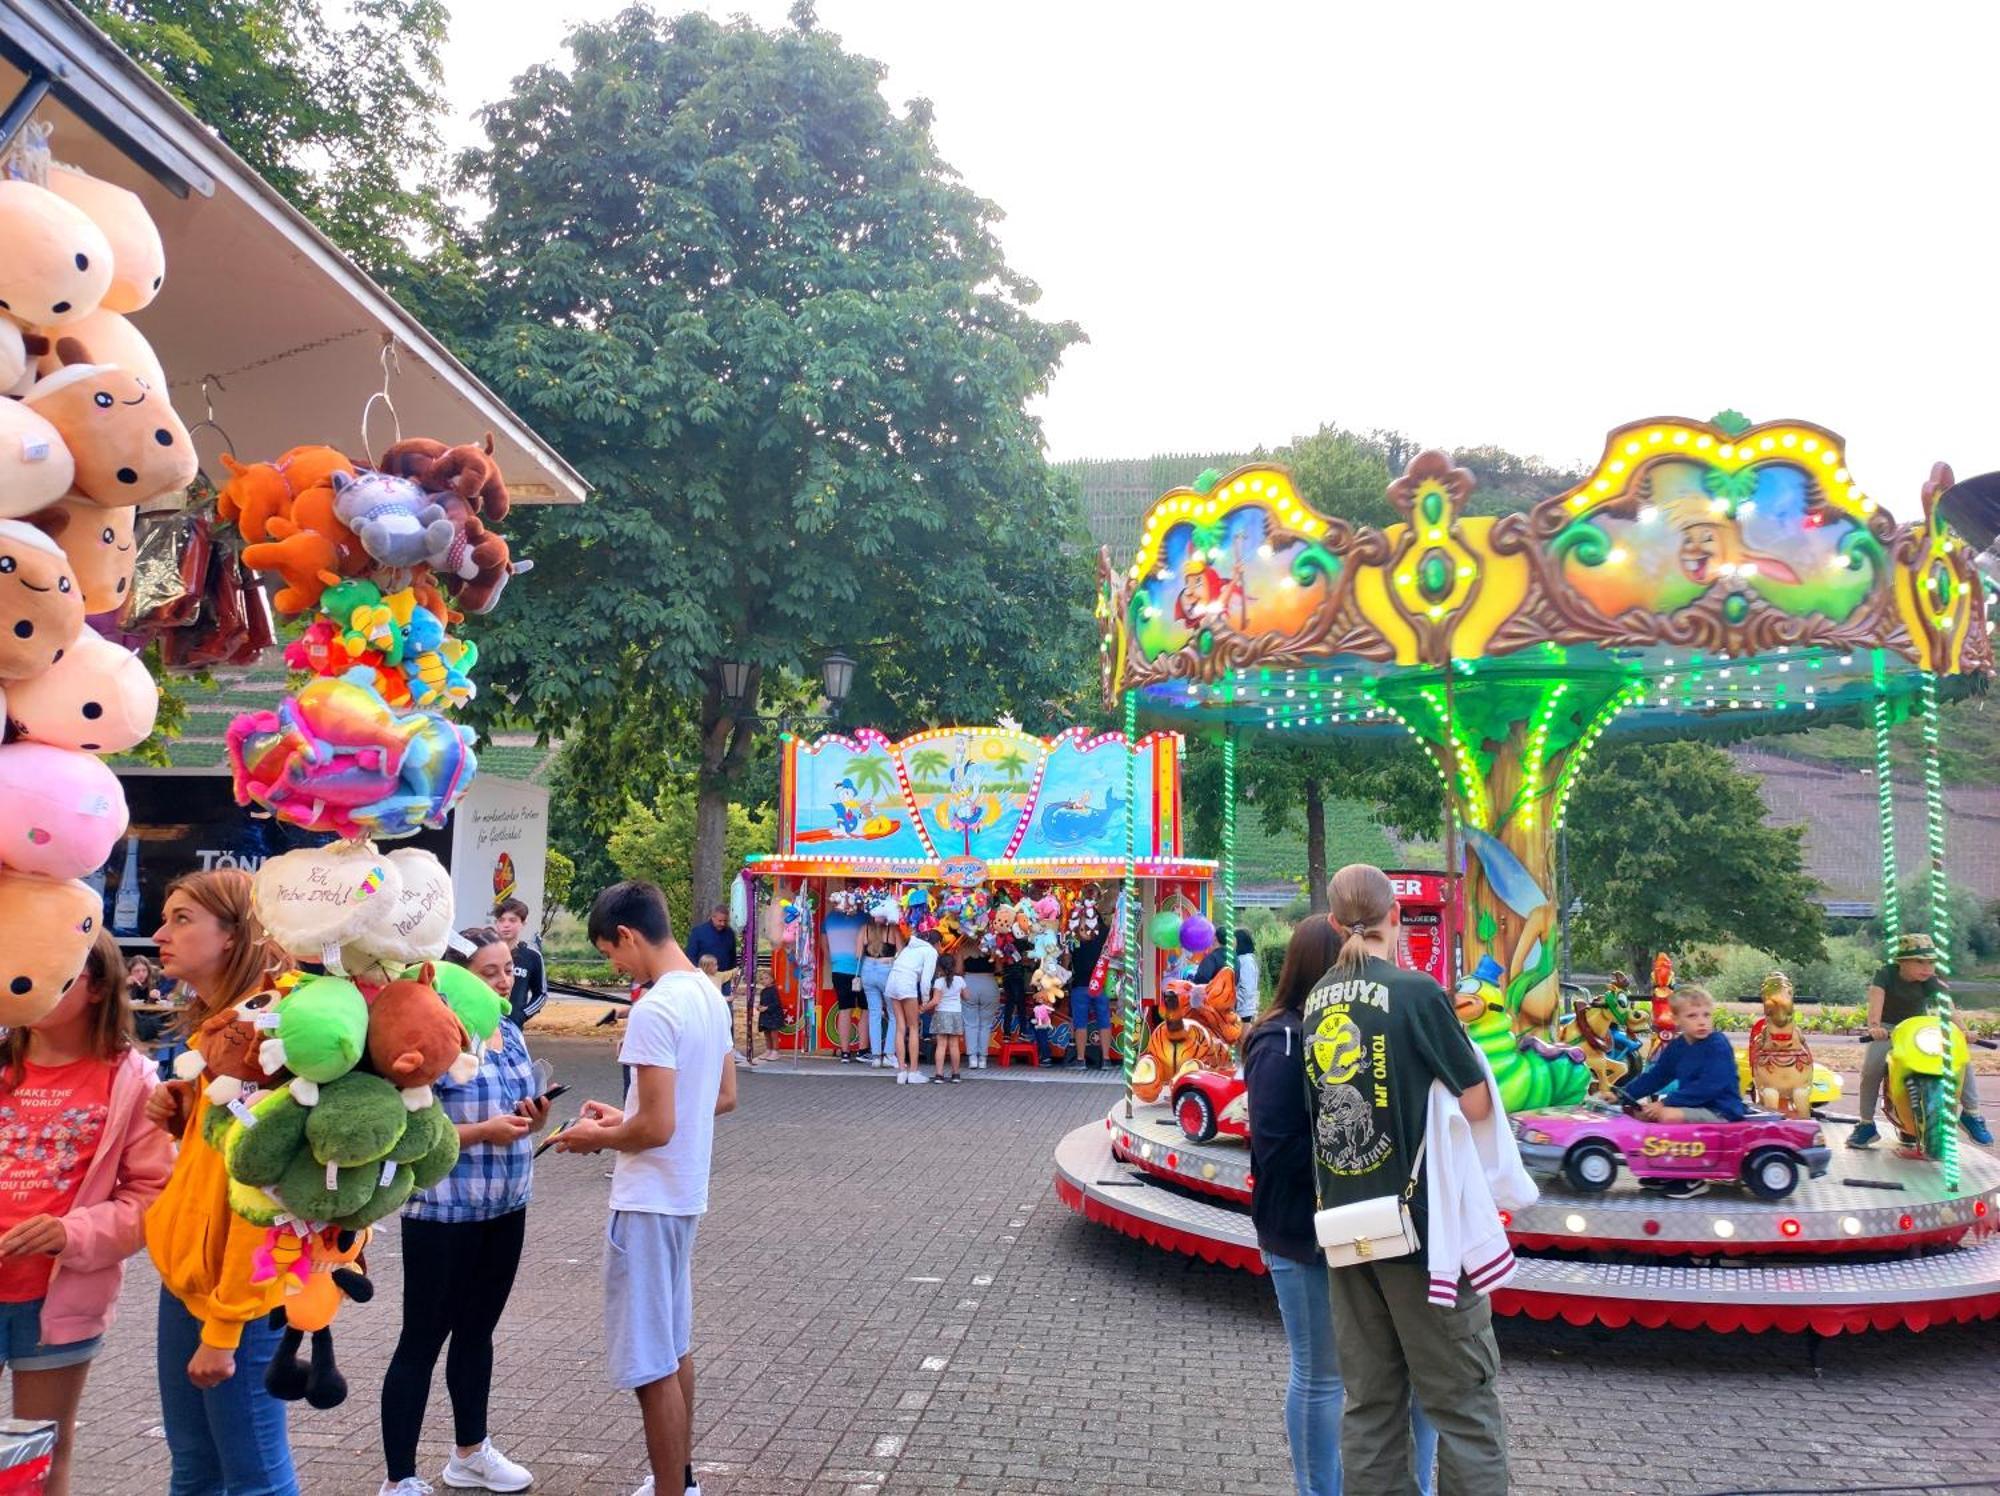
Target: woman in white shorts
909 981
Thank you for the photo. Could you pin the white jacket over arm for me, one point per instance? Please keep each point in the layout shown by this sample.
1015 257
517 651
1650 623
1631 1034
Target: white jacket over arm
1472 1172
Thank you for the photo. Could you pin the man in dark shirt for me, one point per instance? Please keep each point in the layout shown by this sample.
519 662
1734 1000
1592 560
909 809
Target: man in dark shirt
1089 1016
531 983
1907 987
713 937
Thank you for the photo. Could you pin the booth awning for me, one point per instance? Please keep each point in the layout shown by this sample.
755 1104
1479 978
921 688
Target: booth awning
1027 870
255 295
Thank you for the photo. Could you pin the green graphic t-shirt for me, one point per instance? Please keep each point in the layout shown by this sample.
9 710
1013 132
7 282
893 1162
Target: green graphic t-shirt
1375 1040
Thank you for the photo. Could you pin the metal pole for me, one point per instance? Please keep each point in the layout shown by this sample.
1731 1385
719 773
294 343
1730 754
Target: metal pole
1940 915
24 105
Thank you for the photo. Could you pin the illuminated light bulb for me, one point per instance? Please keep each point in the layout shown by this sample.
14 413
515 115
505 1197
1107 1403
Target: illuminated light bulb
1602 485
1768 443
1905 1222
1718 506
1811 444
1704 442
1840 475
1616 556
1574 1222
1827 457
1464 571
1402 579
1680 438
1616 465
1631 449
1725 451
1656 437
1747 569
1748 506
1648 514
1725 1229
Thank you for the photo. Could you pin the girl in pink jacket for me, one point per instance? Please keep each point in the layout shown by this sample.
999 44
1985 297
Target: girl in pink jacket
79 1163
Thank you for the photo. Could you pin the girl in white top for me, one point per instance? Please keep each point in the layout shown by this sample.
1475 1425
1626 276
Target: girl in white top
947 1010
909 979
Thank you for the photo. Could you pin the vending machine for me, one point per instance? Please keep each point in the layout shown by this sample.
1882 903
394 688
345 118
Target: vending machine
1432 939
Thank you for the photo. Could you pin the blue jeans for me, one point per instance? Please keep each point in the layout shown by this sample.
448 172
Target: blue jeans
881 1017
1313 1393
229 1440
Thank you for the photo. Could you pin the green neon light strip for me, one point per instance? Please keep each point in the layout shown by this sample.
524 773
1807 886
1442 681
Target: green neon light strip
1579 753
1227 924
1885 810
1128 964
1940 923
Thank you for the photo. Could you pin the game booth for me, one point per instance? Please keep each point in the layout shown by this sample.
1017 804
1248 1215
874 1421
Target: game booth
1708 578
1010 844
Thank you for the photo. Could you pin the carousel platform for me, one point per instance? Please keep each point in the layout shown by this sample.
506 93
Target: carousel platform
1874 1244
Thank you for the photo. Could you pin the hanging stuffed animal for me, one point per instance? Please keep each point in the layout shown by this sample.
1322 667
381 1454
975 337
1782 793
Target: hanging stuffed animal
332 1273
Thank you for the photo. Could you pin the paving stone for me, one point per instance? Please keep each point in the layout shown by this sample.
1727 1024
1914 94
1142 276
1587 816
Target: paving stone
1035 1353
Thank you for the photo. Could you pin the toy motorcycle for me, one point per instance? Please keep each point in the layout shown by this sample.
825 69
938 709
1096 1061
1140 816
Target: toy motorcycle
1920 1050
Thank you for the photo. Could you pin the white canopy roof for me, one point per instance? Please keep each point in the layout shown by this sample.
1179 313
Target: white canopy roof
254 295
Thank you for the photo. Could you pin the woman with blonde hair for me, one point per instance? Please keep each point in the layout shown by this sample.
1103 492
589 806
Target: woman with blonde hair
225 1433
1377 1037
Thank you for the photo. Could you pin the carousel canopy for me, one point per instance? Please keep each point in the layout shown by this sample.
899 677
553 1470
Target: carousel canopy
1708 576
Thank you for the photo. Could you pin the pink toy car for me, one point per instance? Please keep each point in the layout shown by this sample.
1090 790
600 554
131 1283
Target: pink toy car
1766 1153
1206 1103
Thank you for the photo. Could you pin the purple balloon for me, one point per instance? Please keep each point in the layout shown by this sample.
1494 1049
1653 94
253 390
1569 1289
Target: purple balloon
1197 934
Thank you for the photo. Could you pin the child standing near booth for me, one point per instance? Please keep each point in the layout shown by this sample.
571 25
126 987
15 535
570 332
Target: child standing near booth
947 1010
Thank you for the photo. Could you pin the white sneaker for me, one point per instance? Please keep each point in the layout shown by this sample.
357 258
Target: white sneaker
646 1489
412 1486
486 1469
918 1080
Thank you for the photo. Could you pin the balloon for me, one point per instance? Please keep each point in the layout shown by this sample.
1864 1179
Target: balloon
1197 934
1165 929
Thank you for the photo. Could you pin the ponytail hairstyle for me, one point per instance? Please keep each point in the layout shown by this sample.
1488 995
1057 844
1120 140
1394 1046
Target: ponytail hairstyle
1360 898
253 957
104 970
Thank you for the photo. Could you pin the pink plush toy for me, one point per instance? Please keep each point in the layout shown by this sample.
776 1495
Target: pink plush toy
61 812
97 698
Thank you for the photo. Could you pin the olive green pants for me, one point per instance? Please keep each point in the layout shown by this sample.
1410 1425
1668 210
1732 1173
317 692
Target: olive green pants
1393 1341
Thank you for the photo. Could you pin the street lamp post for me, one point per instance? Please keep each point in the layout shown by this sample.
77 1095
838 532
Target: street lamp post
836 678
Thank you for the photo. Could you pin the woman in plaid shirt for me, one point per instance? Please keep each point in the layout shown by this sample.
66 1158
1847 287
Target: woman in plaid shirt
461 1245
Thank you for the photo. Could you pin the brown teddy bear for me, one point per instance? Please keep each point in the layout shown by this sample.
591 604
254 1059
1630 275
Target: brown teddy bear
225 1048
50 926
129 446
41 607
467 471
98 542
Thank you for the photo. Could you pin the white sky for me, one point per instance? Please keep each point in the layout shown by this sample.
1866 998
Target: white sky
1520 223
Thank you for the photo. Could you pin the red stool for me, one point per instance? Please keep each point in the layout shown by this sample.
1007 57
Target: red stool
1017 1052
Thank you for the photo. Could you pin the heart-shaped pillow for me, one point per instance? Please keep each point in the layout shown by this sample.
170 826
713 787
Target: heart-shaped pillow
417 927
313 900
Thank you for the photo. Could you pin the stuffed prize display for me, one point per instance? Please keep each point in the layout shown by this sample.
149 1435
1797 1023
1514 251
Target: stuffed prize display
380 563
86 434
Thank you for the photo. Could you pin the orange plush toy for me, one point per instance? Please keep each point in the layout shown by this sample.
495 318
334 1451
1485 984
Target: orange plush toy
262 491
413 1037
332 1272
98 542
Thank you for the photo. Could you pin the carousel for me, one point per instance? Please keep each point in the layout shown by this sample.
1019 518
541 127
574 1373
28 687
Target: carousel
1709 578
1007 844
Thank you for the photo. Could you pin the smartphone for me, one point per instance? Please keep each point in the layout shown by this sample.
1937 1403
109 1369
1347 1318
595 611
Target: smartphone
553 1092
550 1141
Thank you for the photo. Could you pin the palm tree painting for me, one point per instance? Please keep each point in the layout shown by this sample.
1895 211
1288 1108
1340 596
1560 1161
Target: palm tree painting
870 773
1012 767
928 764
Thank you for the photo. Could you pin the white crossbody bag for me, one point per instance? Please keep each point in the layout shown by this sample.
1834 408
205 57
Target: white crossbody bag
1369 1230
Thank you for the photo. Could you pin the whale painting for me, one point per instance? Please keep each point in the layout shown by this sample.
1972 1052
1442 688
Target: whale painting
1071 823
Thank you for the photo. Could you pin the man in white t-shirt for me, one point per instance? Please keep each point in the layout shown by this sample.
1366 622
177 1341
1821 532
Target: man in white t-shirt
677 1043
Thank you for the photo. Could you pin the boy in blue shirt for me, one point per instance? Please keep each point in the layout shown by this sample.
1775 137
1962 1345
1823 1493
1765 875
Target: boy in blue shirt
1700 1066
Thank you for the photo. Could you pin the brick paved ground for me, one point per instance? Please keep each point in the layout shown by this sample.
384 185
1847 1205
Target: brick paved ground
889 1297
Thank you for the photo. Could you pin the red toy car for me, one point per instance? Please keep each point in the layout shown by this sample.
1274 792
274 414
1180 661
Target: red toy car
1766 1153
1207 1103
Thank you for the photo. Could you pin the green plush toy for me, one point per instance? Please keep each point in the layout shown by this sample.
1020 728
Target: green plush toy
305 1193
216 1124
423 1133
437 1163
386 1201
259 1155
322 1034
358 1120
256 1207
477 1005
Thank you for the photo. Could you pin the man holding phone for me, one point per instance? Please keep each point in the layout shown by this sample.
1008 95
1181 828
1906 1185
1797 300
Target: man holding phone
677 1042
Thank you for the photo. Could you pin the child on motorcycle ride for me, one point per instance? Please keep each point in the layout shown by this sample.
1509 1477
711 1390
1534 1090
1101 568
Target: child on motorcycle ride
1907 987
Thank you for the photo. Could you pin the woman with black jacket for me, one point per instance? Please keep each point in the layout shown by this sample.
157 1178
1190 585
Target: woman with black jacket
1281 1207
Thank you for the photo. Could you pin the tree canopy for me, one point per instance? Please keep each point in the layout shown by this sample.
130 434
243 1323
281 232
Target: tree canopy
335 106
1668 848
774 330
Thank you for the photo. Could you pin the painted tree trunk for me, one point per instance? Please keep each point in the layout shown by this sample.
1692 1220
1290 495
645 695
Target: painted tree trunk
1510 908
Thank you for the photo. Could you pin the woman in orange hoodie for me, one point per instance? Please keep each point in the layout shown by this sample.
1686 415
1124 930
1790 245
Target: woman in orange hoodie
225 1432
